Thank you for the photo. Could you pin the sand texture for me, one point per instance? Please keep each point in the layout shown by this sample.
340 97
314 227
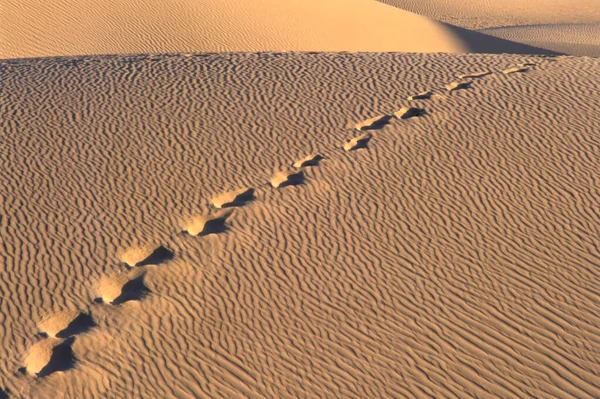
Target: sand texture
33 28
455 254
564 26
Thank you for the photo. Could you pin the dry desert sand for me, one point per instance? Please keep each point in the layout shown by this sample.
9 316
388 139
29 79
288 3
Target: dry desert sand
268 224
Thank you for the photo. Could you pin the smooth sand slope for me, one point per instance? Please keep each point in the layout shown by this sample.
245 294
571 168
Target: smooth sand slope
565 26
453 254
31 28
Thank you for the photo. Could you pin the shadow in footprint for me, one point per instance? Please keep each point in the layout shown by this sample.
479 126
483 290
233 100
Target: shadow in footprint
158 256
84 322
296 179
311 160
133 290
358 142
215 226
240 199
3 394
62 358
374 123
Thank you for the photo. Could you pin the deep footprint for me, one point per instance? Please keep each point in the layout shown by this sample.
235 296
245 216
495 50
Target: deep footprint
66 323
516 69
408 112
233 198
458 86
310 160
146 255
206 224
49 356
421 96
374 123
123 287
357 142
290 177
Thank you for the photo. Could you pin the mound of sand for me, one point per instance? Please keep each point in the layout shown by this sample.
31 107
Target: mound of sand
31 28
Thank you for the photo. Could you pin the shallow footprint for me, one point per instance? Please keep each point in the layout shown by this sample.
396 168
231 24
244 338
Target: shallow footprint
515 70
421 96
205 224
458 85
233 198
408 112
142 255
357 142
289 177
309 160
122 287
474 75
374 123
49 356
66 323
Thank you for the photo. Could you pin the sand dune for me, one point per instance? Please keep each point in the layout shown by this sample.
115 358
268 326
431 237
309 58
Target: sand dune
564 26
31 28
575 38
456 255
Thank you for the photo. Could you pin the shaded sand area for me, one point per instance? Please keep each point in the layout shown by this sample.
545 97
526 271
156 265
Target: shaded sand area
32 28
453 252
566 26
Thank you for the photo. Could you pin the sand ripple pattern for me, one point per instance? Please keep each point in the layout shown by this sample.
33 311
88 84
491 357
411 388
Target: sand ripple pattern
454 256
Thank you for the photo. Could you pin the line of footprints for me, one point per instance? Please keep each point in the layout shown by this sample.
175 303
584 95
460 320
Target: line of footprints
53 352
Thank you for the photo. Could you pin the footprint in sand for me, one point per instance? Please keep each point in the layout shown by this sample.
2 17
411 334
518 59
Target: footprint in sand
309 160
426 95
122 287
515 70
65 323
205 224
143 255
408 112
233 198
374 123
289 177
357 142
49 356
474 75
459 85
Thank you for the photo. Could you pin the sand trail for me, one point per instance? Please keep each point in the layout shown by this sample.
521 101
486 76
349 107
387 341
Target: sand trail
419 258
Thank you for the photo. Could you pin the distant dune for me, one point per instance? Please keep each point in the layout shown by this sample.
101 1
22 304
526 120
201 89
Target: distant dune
565 26
31 28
